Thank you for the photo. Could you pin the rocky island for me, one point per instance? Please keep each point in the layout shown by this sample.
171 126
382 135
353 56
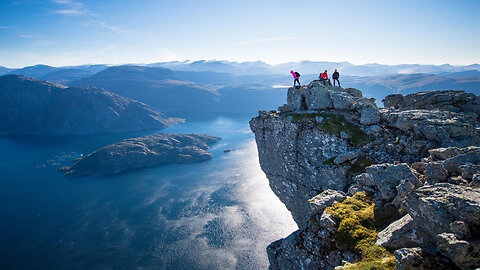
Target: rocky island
143 152
374 188
42 108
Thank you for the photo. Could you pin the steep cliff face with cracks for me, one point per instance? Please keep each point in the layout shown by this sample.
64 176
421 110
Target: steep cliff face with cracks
415 163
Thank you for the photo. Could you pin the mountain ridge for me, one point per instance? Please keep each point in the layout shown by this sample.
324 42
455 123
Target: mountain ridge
44 108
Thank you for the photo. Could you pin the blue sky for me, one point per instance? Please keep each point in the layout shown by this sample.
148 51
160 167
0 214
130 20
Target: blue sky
72 32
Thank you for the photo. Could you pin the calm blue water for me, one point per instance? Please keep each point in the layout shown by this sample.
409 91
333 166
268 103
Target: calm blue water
220 214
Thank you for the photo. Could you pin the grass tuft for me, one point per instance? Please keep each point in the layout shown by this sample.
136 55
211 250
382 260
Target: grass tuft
357 231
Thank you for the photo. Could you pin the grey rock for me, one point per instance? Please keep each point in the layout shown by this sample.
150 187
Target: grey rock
435 173
285 108
344 135
318 98
393 100
475 183
142 152
292 155
369 115
354 92
312 247
346 157
325 199
419 166
435 207
43 108
451 100
468 170
465 254
452 165
445 153
419 259
438 126
382 180
400 234
296 98
319 119
341 100
373 130
460 229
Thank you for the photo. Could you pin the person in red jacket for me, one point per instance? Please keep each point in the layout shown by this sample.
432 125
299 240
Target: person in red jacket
296 77
324 78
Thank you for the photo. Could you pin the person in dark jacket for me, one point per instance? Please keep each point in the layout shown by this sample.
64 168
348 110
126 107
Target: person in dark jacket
335 77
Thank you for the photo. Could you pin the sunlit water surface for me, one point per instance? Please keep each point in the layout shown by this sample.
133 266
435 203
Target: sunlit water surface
219 214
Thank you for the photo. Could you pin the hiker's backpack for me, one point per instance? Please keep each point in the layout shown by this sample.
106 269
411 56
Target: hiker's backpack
297 74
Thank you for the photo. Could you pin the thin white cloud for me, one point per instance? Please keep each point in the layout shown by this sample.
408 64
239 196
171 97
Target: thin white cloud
5 27
113 28
265 40
70 7
28 36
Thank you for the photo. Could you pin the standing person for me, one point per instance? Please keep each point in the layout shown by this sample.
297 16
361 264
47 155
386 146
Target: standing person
335 77
324 78
296 76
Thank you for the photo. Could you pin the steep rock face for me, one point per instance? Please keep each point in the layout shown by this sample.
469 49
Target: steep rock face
293 161
142 152
39 107
327 138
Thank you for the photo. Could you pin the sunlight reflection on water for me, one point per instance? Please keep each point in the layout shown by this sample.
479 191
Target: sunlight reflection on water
219 214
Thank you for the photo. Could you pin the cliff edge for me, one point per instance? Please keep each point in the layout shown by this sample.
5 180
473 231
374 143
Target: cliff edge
416 162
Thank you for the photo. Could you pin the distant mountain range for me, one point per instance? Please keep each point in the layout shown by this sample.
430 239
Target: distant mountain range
55 74
185 92
258 67
223 86
36 107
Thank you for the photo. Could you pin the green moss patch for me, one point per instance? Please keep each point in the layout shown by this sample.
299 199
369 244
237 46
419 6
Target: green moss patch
334 124
357 231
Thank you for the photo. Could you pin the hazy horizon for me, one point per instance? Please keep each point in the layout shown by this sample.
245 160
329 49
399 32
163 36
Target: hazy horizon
223 60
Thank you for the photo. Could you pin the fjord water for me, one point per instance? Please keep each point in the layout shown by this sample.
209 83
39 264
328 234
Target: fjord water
219 214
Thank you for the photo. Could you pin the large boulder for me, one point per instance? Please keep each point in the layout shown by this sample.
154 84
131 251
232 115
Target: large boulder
382 180
419 259
325 199
400 234
465 254
435 207
341 100
318 98
296 98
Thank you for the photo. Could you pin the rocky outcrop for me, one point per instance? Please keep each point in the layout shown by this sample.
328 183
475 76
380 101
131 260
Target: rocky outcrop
419 259
312 247
143 152
417 156
453 101
43 108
